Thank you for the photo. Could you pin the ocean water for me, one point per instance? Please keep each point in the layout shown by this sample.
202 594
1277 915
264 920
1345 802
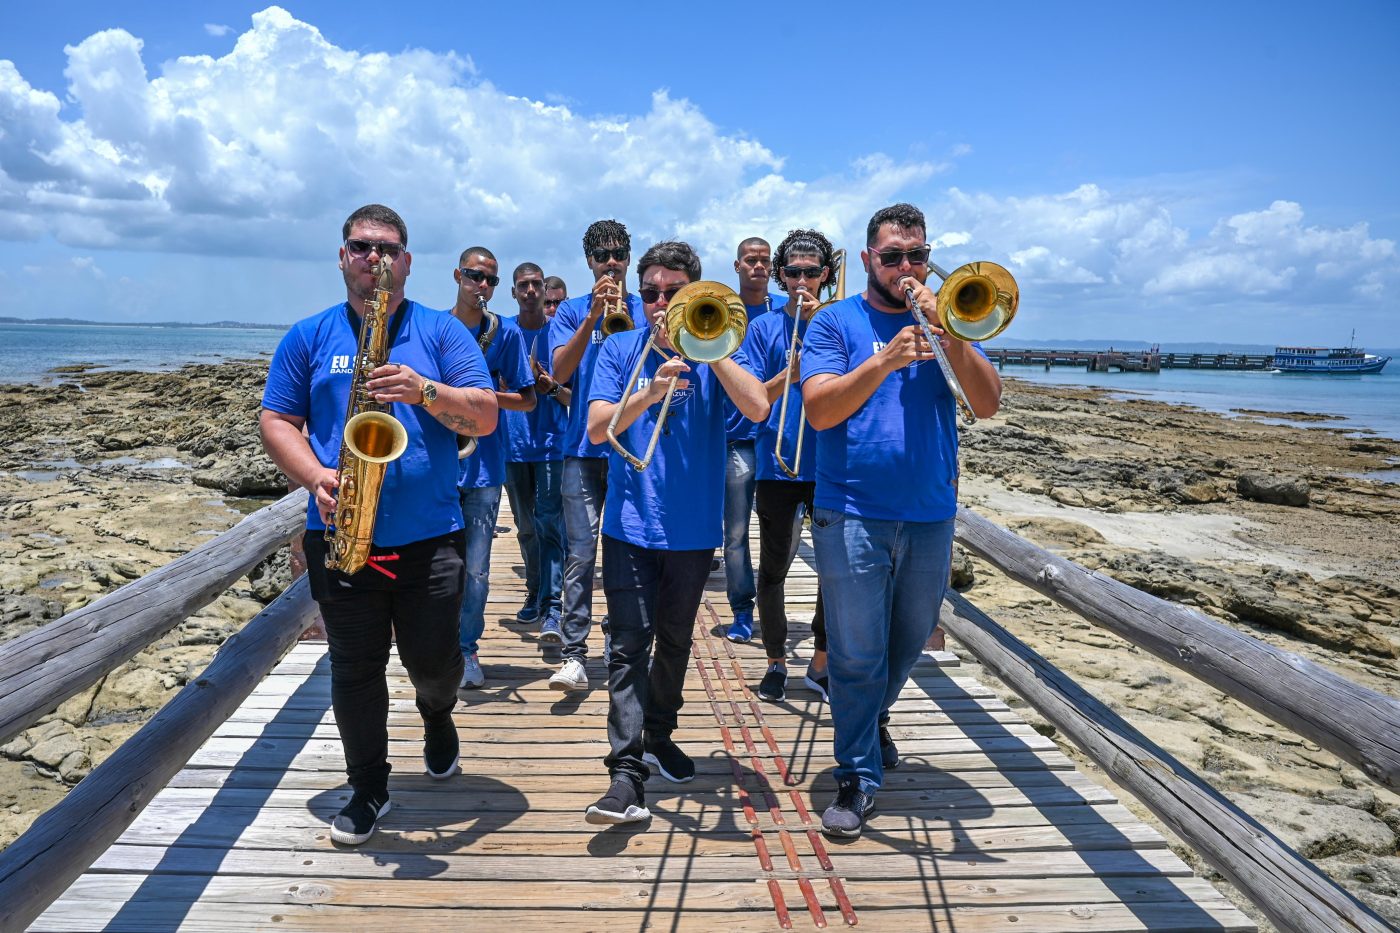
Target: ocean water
1362 403
28 352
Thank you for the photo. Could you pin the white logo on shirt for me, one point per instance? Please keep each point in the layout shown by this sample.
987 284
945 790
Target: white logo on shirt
340 365
680 397
879 345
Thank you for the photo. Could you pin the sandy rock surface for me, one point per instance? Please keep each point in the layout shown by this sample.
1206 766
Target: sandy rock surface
102 485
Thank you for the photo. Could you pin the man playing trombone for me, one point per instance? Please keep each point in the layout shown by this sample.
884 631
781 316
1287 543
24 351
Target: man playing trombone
785 455
664 514
886 493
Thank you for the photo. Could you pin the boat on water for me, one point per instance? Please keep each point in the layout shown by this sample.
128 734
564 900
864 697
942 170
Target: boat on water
1329 360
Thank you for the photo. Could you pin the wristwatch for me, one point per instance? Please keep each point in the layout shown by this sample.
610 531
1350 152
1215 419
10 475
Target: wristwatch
554 391
429 394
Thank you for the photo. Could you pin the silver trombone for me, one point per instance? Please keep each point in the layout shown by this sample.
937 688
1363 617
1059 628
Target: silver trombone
837 292
705 323
975 302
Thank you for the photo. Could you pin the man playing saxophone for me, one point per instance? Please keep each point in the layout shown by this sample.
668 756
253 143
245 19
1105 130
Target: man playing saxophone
433 380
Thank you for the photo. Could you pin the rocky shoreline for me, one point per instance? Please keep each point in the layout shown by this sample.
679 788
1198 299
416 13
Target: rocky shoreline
1273 529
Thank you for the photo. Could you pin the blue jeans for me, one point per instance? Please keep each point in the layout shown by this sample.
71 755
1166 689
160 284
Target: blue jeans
585 485
479 509
537 501
739 476
883 583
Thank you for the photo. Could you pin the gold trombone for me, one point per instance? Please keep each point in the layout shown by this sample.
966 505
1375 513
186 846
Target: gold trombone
704 323
975 302
836 292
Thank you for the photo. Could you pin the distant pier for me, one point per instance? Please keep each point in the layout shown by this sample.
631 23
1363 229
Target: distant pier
1127 361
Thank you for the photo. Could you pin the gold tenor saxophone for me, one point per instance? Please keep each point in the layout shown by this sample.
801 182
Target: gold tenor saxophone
372 438
490 323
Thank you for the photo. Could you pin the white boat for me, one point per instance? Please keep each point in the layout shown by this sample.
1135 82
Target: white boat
1328 360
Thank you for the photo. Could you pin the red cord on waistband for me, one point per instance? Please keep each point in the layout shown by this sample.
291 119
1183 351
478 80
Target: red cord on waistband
375 560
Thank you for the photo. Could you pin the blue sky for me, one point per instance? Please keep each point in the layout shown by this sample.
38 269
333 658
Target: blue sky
1181 172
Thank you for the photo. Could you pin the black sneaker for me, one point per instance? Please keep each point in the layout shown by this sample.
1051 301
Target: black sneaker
623 803
440 748
667 758
355 823
849 811
889 752
773 686
817 681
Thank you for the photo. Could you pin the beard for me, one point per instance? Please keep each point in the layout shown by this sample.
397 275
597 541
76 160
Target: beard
885 295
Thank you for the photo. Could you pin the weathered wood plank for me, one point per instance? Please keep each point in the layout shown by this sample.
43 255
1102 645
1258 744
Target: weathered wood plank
1287 887
37 866
145 915
1358 725
42 668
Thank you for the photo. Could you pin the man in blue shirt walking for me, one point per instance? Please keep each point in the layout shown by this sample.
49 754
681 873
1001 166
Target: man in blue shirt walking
484 472
660 529
436 385
575 335
886 494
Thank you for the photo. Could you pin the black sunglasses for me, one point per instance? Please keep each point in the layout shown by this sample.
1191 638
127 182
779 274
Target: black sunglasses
552 302
651 294
362 248
620 254
917 256
800 272
477 276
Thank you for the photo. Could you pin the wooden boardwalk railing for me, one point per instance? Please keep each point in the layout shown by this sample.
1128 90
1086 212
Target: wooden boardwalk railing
986 825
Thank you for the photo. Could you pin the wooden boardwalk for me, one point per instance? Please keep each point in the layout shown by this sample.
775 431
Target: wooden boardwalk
984 826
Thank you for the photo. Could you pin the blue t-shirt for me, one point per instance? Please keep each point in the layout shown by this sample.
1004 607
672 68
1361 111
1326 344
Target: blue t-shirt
766 346
676 503
896 457
505 359
537 436
736 426
561 330
310 378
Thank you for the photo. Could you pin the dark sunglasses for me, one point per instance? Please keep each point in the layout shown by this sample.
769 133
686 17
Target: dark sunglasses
477 276
552 303
801 272
917 256
362 248
620 254
651 295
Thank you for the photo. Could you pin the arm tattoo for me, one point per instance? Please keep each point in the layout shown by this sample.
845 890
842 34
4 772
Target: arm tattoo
457 423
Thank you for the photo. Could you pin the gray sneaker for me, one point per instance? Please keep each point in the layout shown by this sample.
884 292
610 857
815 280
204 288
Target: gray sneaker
849 811
472 677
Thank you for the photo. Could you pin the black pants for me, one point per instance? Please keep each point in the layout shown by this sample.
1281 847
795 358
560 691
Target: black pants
779 532
652 598
417 606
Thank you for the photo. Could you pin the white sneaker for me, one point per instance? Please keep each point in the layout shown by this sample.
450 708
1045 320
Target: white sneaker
570 676
472 676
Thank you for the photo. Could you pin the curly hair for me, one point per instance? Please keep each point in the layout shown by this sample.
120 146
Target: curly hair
602 233
901 216
378 214
672 254
805 243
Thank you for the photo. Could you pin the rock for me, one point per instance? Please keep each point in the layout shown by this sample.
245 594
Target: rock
962 572
1055 532
51 752
1257 604
274 574
1278 490
1317 829
253 475
75 767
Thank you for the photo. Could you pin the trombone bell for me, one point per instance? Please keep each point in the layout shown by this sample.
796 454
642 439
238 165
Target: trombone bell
977 301
706 321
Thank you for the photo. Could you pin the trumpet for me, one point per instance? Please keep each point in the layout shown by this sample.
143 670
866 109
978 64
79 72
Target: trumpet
490 323
837 293
705 323
615 316
975 302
